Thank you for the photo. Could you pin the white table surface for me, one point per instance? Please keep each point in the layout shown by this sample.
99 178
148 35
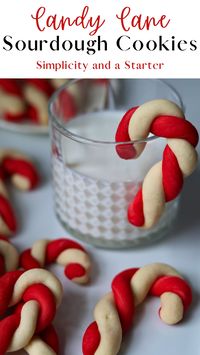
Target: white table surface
181 249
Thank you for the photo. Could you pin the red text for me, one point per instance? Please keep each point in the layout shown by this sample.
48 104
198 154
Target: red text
44 20
140 21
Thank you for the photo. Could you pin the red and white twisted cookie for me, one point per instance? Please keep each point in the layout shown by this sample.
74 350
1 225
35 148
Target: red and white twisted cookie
9 257
164 180
12 104
97 95
115 312
37 93
8 223
36 294
23 175
57 83
45 344
81 96
19 168
65 252
69 102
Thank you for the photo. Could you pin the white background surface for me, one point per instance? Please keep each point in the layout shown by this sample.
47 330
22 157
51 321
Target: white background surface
184 25
181 249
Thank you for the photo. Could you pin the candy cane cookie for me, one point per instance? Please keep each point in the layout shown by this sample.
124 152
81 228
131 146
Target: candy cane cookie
9 256
57 83
37 93
69 99
97 95
36 294
45 344
8 224
19 168
83 95
12 104
114 313
65 252
164 180
23 174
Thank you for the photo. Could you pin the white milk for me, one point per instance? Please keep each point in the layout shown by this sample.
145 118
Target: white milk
92 160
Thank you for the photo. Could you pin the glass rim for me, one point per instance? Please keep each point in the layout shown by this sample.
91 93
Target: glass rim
75 137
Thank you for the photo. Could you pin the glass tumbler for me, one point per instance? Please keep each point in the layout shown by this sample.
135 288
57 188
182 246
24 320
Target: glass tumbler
92 185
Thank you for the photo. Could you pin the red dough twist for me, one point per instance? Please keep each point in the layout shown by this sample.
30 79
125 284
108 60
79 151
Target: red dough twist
8 224
23 175
20 169
46 343
12 105
37 93
81 96
164 181
35 294
114 313
9 257
66 252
